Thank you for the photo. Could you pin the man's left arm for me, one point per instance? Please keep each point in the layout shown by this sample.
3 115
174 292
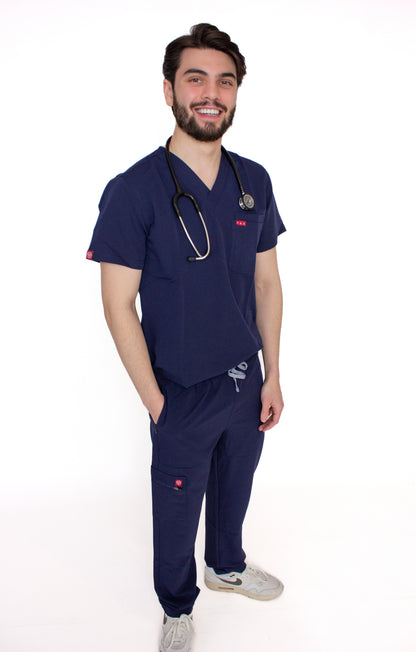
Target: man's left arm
269 302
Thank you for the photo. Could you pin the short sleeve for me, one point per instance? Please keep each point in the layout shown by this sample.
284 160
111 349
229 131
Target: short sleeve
120 232
273 225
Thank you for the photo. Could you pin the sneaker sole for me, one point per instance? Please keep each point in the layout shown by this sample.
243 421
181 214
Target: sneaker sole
237 589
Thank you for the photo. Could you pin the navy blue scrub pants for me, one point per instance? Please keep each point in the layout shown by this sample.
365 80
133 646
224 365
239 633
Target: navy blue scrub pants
206 441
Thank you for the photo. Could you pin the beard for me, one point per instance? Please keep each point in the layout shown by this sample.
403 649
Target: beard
209 132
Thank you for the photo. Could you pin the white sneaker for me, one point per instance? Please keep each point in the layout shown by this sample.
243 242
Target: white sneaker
177 634
252 582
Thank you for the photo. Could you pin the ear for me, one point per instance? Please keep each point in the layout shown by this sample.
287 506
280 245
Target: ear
168 92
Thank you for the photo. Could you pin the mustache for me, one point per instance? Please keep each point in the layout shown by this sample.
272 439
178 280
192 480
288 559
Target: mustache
215 103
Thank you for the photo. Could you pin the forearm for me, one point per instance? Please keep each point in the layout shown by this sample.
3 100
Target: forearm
125 327
269 302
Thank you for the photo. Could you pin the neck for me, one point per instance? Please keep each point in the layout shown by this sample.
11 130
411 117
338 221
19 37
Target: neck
202 157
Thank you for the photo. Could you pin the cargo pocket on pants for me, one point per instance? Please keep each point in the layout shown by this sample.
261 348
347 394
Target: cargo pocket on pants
169 494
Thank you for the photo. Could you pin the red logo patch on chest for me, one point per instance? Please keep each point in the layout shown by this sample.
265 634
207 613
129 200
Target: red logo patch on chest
241 223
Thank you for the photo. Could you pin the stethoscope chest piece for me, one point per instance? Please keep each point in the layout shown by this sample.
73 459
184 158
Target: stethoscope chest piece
246 202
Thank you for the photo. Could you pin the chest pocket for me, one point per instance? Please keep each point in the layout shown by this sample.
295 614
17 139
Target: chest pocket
245 234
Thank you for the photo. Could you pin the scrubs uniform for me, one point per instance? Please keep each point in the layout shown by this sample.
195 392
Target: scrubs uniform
198 319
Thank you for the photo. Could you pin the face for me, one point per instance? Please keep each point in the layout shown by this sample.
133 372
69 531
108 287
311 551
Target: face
204 98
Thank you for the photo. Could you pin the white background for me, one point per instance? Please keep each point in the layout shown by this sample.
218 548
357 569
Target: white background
328 107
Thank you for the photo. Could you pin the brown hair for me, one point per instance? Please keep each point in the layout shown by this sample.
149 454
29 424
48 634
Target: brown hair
202 36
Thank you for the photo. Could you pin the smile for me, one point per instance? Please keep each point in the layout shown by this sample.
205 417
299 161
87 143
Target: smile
208 111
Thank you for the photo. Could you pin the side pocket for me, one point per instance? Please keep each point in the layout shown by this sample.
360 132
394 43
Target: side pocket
169 494
162 415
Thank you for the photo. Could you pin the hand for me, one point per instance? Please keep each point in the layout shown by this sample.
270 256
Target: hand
156 410
272 404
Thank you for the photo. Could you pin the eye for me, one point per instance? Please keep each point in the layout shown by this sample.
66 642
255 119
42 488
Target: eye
194 80
226 82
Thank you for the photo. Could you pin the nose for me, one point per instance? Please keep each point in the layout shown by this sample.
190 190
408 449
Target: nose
211 90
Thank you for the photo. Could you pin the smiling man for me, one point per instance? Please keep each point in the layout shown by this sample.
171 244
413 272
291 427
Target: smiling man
194 229
217 116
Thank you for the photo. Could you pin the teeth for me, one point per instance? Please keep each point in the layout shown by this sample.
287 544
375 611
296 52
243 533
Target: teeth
209 111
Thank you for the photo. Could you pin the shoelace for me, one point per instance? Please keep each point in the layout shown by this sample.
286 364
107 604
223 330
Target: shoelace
179 631
256 572
238 373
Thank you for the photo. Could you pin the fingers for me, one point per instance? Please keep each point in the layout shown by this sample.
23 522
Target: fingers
269 417
266 412
269 423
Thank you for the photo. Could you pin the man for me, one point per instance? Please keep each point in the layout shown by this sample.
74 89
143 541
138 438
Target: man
211 299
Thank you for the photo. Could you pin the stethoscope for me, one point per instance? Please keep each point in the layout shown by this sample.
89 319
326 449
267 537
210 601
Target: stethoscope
245 201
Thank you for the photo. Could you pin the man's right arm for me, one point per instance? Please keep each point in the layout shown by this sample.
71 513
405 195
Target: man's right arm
119 288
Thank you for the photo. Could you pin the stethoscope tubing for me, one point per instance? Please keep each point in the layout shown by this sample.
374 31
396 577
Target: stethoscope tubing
182 193
246 202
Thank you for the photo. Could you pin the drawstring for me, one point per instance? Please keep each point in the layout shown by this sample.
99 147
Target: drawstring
238 373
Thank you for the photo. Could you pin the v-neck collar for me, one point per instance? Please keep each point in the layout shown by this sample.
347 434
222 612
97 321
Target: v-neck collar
192 183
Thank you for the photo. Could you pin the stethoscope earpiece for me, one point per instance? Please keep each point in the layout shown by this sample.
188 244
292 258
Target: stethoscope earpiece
245 201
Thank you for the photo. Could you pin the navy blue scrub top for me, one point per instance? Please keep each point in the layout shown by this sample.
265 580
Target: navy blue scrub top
198 318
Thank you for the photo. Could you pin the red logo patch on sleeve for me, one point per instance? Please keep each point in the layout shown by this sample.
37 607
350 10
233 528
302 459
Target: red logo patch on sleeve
178 483
89 254
241 223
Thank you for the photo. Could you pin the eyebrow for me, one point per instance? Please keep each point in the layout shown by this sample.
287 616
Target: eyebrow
203 72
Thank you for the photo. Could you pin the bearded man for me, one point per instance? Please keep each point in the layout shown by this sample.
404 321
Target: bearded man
193 229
